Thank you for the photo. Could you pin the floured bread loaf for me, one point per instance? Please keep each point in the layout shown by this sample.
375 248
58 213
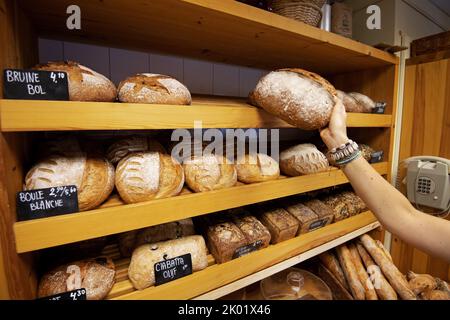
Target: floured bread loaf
209 172
97 276
302 159
350 103
366 104
84 84
121 148
141 270
144 176
258 167
301 98
153 88
92 175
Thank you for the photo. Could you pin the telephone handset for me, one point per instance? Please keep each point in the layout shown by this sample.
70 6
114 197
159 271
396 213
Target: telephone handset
427 181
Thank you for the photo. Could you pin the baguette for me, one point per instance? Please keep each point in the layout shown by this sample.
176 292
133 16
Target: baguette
383 288
345 258
381 246
332 264
391 272
371 294
338 290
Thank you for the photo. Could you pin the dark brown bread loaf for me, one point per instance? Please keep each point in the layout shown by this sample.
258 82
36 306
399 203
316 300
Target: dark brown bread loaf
338 205
254 231
303 214
223 240
324 212
282 225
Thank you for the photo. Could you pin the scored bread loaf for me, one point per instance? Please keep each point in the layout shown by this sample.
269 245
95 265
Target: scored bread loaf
141 270
144 176
84 84
281 225
209 172
301 98
97 276
350 103
253 230
128 241
224 238
153 88
364 101
258 167
123 147
93 176
302 159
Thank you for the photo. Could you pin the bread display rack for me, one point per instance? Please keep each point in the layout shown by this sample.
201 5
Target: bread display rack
224 31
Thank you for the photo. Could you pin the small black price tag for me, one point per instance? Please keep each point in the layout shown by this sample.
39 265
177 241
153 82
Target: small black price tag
380 107
376 157
318 224
242 251
35 85
41 203
172 269
79 294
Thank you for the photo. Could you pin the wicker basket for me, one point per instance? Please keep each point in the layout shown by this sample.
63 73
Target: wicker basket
307 11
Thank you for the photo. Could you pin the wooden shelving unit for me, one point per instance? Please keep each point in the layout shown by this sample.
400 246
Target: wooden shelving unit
221 31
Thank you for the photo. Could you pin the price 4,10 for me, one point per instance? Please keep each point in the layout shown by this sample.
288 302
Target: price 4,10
57 75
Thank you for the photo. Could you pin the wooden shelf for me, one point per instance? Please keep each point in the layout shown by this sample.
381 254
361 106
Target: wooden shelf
214 112
220 279
223 31
49 232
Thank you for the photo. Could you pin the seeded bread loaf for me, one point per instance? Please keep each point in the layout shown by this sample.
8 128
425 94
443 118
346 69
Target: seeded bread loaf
254 231
224 239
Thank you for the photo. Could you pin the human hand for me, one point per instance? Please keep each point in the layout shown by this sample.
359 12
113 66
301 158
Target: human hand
336 132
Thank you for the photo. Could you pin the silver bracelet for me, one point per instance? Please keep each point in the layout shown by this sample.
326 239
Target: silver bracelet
342 152
349 159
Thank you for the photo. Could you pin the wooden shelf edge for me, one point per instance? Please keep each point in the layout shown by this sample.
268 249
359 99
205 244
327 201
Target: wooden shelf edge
214 112
220 275
257 276
49 232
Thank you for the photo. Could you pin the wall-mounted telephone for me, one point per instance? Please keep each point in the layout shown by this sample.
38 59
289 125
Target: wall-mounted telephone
427 181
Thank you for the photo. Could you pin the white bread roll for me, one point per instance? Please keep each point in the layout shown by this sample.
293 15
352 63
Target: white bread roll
153 88
258 167
209 172
92 175
141 270
302 159
123 147
84 84
301 98
144 176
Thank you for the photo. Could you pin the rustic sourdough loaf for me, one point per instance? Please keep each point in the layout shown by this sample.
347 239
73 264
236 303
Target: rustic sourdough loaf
364 101
258 167
84 84
93 176
153 88
350 103
144 176
123 147
301 98
302 159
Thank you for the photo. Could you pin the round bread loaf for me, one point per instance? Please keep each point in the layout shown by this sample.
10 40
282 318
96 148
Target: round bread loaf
144 176
121 148
141 270
153 88
350 103
258 167
301 98
302 159
97 276
92 175
84 84
209 172
366 104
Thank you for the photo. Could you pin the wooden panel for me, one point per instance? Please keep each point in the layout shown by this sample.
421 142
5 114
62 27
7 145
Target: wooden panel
223 31
219 275
214 112
48 232
425 131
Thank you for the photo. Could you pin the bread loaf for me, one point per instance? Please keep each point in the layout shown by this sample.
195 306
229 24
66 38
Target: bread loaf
209 172
224 238
302 159
281 225
259 167
95 275
305 216
153 88
92 175
123 147
144 176
301 98
350 103
84 84
324 212
128 241
253 230
366 152
339 207
364 101
141 270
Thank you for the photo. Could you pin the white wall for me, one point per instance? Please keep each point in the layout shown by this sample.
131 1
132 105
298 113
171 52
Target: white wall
201 77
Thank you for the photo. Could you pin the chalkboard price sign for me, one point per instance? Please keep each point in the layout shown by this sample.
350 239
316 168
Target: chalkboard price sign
41 203
79 294
35 85
172 269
